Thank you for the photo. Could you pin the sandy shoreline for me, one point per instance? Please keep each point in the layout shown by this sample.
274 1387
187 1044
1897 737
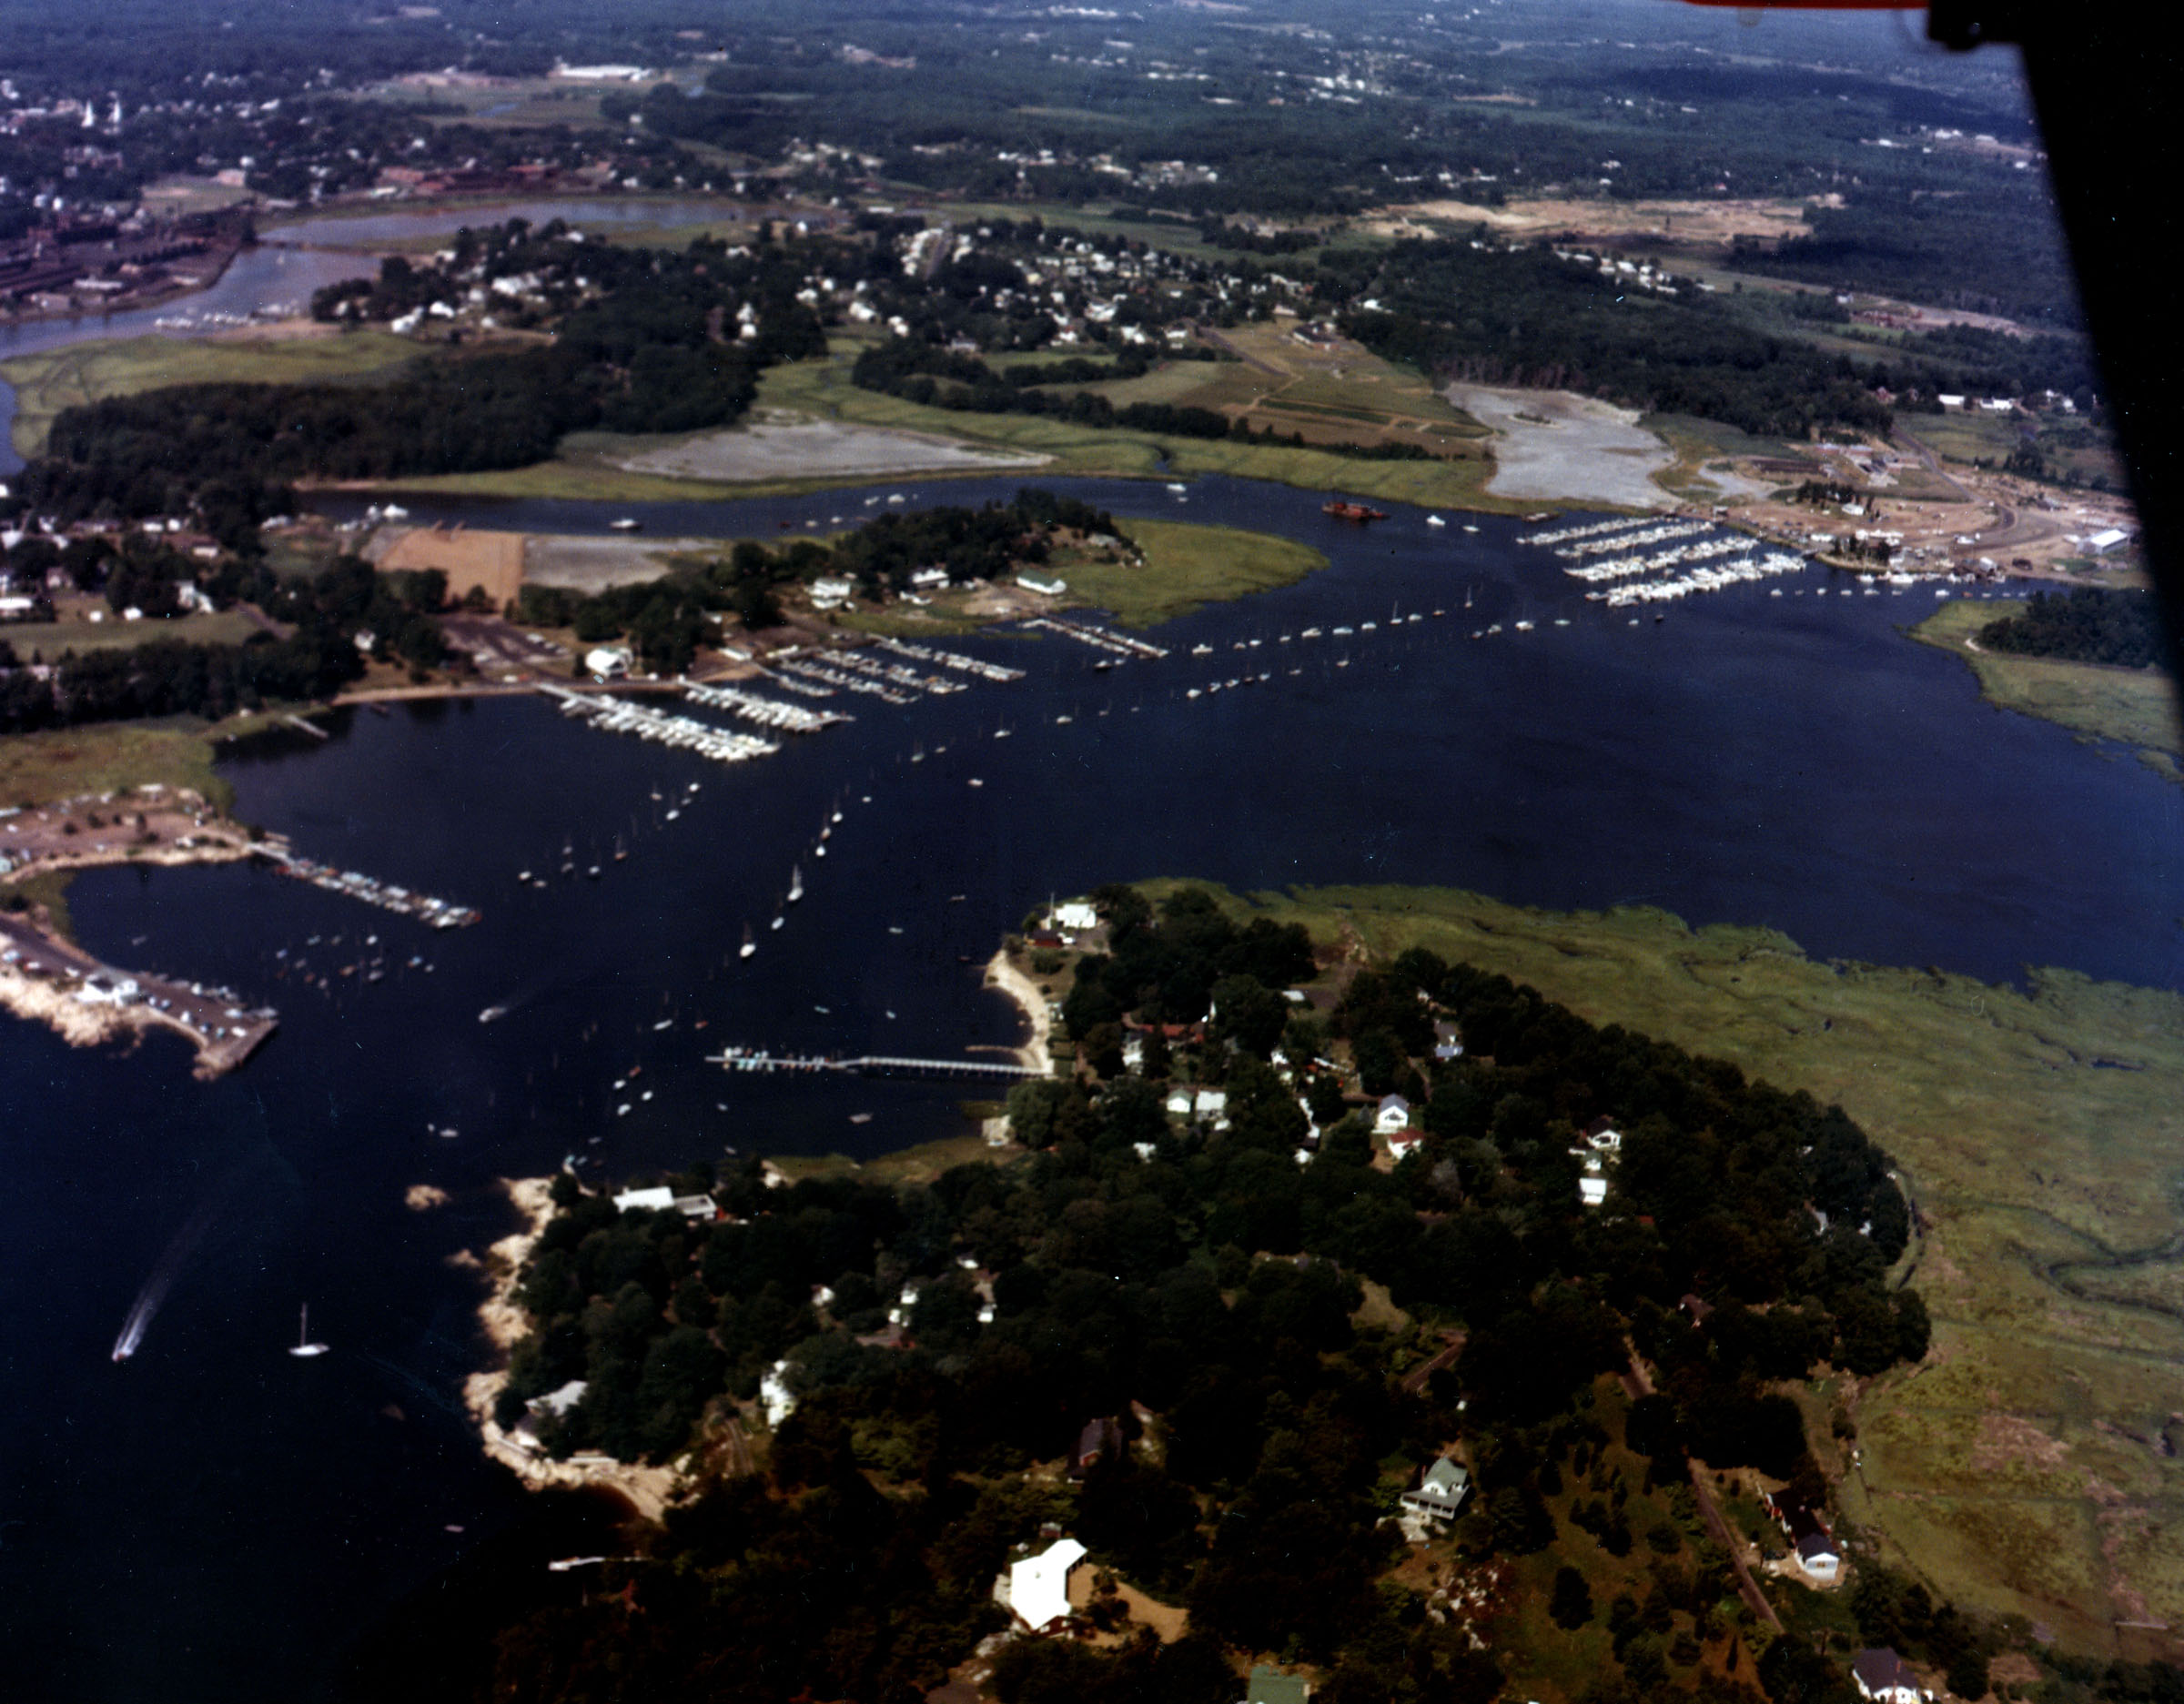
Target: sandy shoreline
1033 1054
645 1488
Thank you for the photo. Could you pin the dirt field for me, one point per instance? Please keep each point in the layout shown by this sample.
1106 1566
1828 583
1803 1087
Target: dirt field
492 561
1557 446
593 565
787 448
1699 224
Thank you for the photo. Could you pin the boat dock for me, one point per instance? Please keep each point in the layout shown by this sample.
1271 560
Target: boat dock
757 1060
955 659
810 670
1098 638
684 733
766 712
895 674
438 912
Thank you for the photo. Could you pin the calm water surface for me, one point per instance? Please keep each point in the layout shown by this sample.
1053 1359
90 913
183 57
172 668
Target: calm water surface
215 1519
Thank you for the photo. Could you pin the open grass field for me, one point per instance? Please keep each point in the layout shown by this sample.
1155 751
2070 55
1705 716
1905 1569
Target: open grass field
48 639
107 758
2138 707
1186 567
2023 1467
820 390
85 372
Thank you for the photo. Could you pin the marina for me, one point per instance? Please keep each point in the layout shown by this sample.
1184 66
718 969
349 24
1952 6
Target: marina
757 1061
994 671
354 885
766 712
1098 638
610 714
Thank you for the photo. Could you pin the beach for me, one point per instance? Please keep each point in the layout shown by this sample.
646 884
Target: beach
646 1489
1033 1054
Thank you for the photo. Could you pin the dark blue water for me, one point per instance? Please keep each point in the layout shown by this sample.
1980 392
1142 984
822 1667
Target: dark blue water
215 1519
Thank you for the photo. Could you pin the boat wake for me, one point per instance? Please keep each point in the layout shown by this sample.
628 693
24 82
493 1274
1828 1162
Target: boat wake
153 1296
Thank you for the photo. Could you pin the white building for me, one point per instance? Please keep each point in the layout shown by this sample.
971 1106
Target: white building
607 662
831 594
1075 916
1441 1495
1394 1116
1051 588
1037 1589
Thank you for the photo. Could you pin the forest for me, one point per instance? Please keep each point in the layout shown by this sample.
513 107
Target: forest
178 677
1209 1277
2088 624
639 348
665 620
1529 318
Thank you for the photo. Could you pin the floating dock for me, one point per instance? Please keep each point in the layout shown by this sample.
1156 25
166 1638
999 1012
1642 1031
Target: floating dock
757 1060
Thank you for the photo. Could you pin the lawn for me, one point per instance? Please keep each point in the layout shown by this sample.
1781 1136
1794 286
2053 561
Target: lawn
108 757
2022 1468
1185 566
2136 707
85 372
49 640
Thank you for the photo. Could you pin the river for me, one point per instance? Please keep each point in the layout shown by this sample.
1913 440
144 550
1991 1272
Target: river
214 1520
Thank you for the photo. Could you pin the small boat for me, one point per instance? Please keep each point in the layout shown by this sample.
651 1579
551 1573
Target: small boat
795 882
818 852
621 852
1178 489
1001 733
1435 520
776 924
491 1012
917 755
305 1348
627 523
593 874
976 782
750 946
674 813
1336 509
523 875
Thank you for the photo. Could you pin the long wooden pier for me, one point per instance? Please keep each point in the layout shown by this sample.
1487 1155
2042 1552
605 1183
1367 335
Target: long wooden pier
867 1064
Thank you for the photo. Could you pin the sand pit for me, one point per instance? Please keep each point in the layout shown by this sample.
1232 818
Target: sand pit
1557 447
492 563
786 447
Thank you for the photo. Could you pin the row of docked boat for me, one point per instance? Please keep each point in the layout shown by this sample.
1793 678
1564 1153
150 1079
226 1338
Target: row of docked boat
437 913
1591 530
1098 638
610 714
896 674
1716 578
1631 567
1661 534
806 669
994 671
766 712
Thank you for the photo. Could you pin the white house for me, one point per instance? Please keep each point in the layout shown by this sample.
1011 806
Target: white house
1050 586
926 577
1394 1116
1818 1555
1178 1102
1441 1495
607 662
828 593
1592 1191
1402 1143
661 1199
1075 916
1210 1103
2101 543
1037 1589
1883 1677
